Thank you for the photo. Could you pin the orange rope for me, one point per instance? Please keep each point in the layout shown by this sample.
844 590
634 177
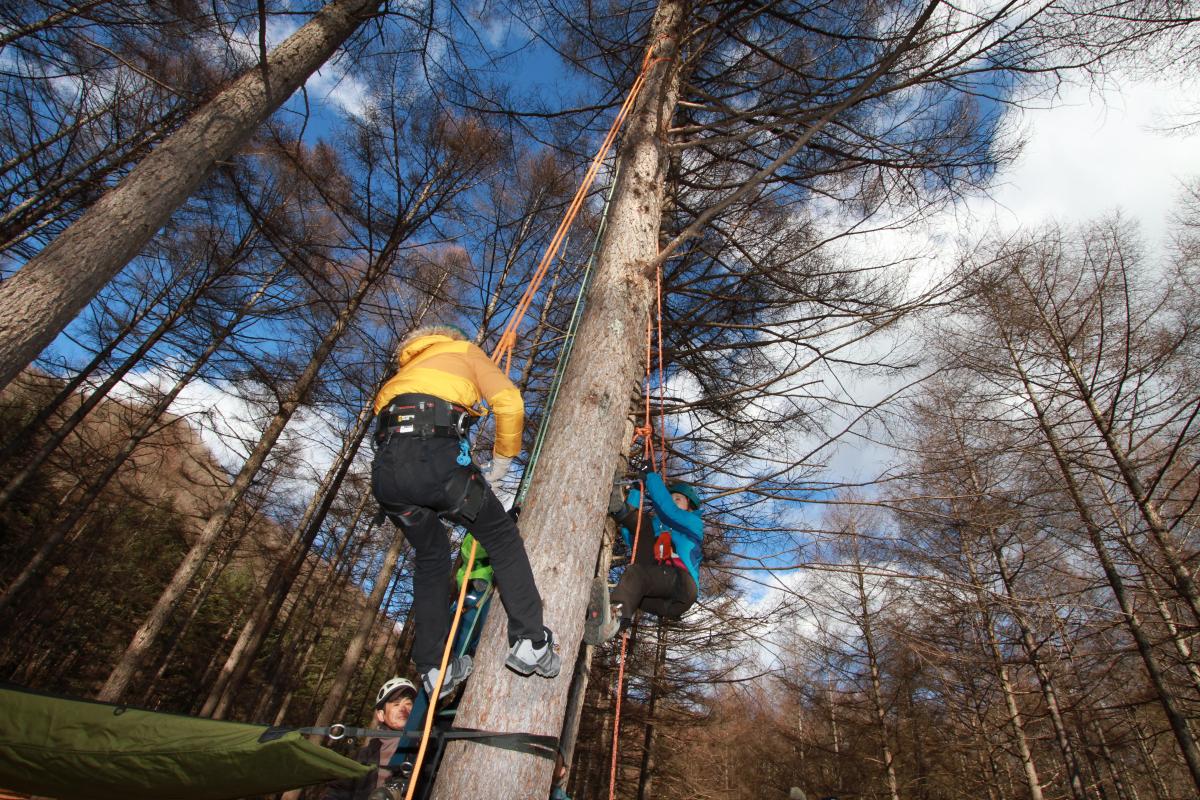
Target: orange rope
637 531
503 354
509 337
646 431
431 711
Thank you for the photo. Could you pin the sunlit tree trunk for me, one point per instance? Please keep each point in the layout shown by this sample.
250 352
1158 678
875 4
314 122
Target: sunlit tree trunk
1175 715
564 512
341 680
50 289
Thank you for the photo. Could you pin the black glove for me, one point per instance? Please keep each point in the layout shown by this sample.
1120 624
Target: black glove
514 513
640 466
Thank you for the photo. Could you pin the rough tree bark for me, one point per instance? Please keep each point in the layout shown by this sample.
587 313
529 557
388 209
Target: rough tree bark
50 289
564 514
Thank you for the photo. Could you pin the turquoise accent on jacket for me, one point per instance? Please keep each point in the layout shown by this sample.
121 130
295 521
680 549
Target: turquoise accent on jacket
686 527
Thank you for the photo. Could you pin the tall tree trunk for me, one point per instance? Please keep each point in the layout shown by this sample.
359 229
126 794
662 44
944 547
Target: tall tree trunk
564 512
268 605
1175 715
51 288
354 650
646 773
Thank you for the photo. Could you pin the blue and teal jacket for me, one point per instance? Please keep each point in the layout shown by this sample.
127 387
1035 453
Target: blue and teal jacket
686 527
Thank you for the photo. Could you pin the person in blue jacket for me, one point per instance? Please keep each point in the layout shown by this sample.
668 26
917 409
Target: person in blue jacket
664 574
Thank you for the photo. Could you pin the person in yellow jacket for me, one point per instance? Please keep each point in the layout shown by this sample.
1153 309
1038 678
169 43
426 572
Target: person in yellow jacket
423 472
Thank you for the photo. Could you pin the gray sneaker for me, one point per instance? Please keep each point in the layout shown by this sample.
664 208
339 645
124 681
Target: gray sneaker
614 625
457 672
598 613
525 659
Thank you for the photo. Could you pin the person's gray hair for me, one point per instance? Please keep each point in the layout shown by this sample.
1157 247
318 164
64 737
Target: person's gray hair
449 331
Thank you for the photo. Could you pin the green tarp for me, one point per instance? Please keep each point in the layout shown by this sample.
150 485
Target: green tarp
79 750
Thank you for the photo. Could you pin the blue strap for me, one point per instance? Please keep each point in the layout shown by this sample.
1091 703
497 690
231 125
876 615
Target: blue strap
464 453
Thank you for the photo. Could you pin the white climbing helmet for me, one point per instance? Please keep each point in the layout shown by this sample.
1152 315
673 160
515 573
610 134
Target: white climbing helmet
392 685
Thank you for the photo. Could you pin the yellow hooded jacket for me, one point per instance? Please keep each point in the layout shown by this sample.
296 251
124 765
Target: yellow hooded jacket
458 371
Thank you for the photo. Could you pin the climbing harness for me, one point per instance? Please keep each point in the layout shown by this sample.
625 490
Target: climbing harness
426 416
422 415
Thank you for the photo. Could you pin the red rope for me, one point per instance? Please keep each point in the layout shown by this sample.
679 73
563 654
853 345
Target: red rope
646 431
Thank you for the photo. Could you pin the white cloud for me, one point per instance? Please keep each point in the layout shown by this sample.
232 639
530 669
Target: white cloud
230 426
335 84
1099 151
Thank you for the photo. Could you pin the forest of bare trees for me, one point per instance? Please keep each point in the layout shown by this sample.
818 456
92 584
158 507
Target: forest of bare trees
206 265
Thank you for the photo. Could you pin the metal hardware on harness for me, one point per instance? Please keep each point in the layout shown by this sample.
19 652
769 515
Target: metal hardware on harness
421 415
464 453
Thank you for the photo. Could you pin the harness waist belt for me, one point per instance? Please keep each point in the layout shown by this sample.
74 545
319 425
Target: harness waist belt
422 415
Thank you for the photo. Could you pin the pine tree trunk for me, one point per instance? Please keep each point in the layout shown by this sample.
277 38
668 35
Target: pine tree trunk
1175 716
564 515
354 650
143 639
269 604
50 289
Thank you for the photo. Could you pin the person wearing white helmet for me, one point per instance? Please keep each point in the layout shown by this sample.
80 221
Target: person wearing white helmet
393 704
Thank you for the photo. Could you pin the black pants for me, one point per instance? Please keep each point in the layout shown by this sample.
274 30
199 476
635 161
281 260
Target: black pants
414 472
661 589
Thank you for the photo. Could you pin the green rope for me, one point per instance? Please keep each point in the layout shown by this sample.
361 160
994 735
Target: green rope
564 354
